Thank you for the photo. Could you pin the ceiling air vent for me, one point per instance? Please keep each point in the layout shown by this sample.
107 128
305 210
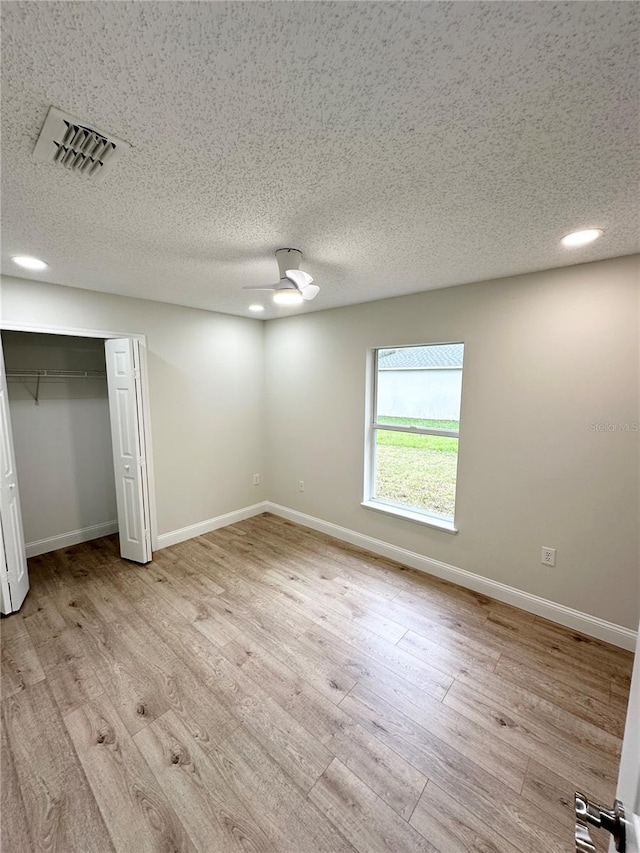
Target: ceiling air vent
70 143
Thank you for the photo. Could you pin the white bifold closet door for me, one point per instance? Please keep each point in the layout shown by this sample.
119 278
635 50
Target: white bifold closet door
14 577
129 458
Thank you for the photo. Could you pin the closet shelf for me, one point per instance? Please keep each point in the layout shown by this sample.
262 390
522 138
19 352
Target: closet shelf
55 374
38 375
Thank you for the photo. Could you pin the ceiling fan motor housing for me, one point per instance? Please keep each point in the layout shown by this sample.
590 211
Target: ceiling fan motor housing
288 259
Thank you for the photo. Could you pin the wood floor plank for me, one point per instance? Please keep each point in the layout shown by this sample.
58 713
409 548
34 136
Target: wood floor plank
554 796
483 794
389 775
419 618
553 717
460 601
447 823
607 656
225 565
242 581
110 602
60 807
46 623
451 653
33 600
451 633
330 679
362 817
271 551
550 792
594 771
135 810
338 555
212 812
214 625
128 580
619 691
178 590
327 607
289 819
270 614
419 669
70 674
175 685
337 617
14 826
132 684
597 711
553 658
42 578
236 699
77 610
455 729
326 547
20 665
402 671
195 648
294 748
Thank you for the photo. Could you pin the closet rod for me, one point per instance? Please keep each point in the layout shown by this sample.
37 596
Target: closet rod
55 374
21 375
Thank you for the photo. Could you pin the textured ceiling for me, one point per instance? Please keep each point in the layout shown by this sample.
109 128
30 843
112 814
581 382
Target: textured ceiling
402 146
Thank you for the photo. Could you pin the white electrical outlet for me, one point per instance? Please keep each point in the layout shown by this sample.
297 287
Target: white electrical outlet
548 557
256 479
301 485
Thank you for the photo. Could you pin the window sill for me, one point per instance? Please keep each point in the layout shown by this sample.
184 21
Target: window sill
408 515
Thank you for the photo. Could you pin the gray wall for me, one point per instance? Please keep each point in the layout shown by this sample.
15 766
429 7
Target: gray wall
546 356
206 391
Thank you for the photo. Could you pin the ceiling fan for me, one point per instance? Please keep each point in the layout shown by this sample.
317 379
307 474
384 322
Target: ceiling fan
295 285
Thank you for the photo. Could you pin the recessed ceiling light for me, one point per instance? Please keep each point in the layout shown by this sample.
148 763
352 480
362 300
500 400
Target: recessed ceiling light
29 263
288 297
256 308
581 238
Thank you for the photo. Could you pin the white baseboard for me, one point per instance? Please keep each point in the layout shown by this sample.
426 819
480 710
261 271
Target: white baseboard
74 537
617 635
184 533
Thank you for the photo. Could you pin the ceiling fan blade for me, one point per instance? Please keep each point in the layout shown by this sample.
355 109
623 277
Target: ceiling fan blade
299 278
310 291
270 287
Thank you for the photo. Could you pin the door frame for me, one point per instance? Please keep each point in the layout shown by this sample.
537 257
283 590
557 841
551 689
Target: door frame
105 334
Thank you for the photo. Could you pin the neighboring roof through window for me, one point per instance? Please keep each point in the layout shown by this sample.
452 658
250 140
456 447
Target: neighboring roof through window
440 355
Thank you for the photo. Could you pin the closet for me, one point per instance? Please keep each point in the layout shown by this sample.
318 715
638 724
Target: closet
59 410
66 430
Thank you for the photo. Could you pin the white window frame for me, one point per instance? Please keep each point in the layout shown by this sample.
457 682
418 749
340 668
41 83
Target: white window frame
387 507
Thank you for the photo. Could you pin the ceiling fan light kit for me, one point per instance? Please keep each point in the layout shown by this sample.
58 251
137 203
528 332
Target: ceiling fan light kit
295 285
287 297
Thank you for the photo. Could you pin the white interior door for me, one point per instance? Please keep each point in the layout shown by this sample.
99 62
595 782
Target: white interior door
629 780
14 576
622 818
129 456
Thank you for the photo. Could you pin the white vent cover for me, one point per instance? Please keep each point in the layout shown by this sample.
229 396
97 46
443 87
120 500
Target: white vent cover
70 143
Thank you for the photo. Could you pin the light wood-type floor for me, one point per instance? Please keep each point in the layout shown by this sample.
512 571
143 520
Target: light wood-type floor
267 688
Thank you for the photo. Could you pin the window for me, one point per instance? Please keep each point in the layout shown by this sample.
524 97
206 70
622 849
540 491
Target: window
414 432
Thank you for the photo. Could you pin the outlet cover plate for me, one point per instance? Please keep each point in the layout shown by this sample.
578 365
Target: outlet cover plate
548 556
